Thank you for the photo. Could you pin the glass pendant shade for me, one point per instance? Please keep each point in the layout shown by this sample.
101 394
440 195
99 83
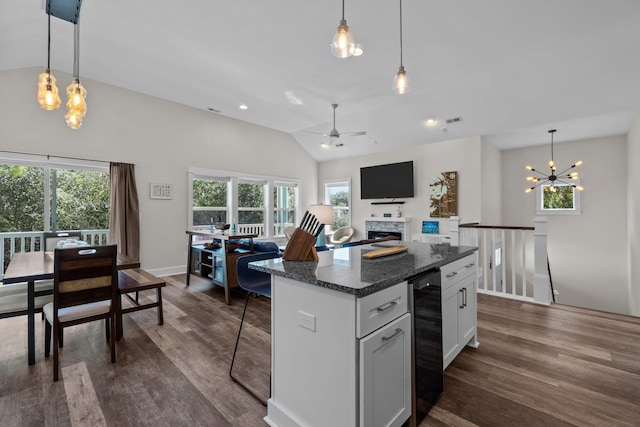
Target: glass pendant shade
401 83
342 44
76 105
48 96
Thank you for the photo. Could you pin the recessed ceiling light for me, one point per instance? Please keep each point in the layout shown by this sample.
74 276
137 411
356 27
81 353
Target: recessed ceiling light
431 121
243 107
358 51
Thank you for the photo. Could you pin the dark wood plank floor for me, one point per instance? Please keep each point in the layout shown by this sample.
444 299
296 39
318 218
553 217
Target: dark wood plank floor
536 366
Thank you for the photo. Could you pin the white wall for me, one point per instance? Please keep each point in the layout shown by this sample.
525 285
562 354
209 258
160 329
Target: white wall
491 168
462 155
587 252
161 138
633 216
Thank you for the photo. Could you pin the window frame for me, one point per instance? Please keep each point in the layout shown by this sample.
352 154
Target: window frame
47 163
577 207
344 182
236 178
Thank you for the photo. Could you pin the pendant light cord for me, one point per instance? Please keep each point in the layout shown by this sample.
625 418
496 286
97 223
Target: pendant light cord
49 42
343 10
76 44
552 132
401 33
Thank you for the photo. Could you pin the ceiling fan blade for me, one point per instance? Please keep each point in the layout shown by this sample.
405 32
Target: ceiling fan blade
354 133
319 133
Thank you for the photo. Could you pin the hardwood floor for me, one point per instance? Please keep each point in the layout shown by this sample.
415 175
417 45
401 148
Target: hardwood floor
536 366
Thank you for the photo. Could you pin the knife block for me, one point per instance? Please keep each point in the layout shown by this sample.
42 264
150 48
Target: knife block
301 247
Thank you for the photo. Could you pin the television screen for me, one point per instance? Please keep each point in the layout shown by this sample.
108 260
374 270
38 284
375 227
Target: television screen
394 180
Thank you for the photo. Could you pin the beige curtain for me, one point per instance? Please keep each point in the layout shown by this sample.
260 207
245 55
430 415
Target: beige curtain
124 222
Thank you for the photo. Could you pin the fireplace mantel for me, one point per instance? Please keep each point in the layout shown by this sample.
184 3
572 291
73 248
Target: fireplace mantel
390 224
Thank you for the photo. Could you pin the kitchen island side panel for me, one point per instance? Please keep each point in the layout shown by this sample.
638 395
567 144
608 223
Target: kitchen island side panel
313 345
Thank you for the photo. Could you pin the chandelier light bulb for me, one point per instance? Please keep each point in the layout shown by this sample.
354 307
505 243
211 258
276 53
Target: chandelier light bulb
401 82
48 96
342 44
578 163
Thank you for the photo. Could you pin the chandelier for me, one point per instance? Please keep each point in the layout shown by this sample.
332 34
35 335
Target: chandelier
554 178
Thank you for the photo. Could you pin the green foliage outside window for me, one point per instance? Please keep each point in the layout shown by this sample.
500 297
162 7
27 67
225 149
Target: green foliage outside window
81 199
562 198
21 198
209 194
340 202
251 196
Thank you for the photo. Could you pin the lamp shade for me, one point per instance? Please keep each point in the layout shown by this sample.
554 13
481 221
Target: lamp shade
324 213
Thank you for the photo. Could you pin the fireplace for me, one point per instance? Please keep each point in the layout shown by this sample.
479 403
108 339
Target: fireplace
371 234
383 227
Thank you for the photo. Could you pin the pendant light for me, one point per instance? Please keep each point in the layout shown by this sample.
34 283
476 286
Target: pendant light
550 180
48 96
342 44
401 81
76 105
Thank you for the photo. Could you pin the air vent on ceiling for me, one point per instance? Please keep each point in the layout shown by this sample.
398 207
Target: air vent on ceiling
454 120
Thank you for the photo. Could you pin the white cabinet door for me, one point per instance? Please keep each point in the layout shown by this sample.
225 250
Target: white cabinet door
385 375
467 310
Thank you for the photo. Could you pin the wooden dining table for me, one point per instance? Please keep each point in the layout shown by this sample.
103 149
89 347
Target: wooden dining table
33 266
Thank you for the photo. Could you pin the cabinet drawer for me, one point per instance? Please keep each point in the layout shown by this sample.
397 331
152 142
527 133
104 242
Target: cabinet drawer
375 310
457 270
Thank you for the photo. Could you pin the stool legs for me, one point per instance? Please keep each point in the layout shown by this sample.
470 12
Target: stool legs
233 358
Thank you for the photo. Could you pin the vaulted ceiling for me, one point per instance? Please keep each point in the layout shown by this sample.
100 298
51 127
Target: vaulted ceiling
512 69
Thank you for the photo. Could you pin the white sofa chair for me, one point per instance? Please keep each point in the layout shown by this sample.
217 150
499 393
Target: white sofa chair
341 235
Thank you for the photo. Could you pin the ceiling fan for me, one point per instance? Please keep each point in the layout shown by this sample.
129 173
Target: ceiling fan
334 134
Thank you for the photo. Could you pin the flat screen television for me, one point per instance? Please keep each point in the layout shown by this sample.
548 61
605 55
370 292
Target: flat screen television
390 181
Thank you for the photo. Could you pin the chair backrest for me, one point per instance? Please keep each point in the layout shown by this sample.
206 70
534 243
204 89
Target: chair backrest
254 280
288 232
84 275
51 239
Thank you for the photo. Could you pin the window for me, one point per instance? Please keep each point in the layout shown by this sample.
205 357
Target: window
561 199
338 194
37 194
284 204
259 205
251 208
210 202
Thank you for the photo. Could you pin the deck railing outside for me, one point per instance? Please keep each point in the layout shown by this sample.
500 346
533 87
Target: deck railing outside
257 229
512 261
31 241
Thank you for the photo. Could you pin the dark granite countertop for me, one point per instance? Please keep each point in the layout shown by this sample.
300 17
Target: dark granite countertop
345 270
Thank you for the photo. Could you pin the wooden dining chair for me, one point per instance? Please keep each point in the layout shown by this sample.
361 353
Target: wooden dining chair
85 288
52 238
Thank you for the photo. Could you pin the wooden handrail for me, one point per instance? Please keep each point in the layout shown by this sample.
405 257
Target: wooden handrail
499 227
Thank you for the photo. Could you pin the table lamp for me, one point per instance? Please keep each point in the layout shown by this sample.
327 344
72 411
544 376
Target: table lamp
324 215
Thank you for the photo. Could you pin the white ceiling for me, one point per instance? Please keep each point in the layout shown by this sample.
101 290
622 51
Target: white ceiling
511 68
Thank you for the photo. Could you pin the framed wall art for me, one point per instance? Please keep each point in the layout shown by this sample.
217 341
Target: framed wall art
443 195
160 191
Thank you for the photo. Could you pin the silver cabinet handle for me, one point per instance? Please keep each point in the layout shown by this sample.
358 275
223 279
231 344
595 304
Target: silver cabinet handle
452 274
461 305
386 307
397 332
464 294
470 265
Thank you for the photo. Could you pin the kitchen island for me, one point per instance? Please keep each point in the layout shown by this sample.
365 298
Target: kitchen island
341 332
